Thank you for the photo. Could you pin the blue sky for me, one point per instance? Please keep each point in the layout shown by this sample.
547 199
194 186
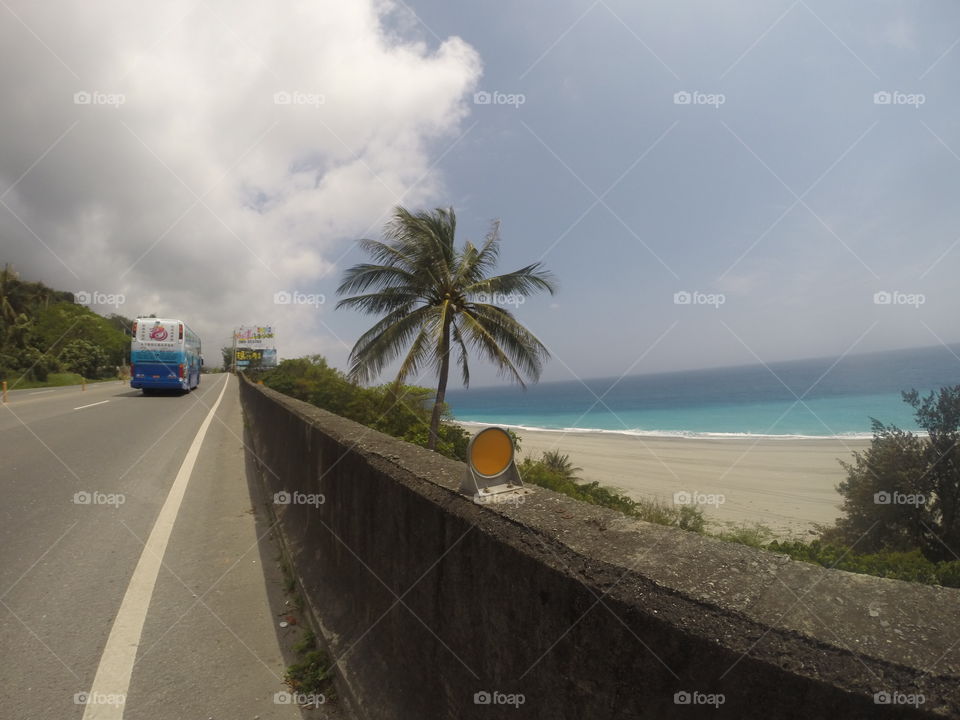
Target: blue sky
797 198
803 200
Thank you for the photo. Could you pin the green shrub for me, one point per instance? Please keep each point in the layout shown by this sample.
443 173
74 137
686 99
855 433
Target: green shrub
401 411
948 573
910 566
312 675
84 358
924 470
755 536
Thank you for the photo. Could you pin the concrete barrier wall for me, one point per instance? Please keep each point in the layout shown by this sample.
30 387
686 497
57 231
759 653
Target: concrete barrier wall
432 604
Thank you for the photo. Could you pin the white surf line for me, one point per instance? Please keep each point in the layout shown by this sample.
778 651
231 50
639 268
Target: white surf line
91 405
107 697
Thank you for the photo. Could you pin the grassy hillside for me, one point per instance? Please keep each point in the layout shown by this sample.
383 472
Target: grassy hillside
45 334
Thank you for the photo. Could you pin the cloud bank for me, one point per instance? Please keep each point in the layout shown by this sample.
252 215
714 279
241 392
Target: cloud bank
199 158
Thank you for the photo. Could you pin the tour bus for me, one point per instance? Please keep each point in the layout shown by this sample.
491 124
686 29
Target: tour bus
164 355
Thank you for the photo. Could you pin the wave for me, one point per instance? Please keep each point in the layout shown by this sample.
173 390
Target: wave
688 434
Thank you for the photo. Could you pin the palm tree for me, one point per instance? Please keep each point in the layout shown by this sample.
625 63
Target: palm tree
434 297
561 464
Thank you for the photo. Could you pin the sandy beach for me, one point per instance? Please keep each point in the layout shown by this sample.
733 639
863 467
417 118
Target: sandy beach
789 485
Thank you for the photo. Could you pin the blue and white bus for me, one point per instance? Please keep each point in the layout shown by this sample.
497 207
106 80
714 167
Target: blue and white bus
164 355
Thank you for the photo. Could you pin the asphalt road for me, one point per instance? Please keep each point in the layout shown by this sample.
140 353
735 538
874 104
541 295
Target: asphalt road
86 481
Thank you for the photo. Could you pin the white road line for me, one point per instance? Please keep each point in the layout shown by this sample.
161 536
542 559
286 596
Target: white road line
39 392
91 405
116 664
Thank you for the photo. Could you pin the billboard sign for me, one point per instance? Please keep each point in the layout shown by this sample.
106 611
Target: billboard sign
255 346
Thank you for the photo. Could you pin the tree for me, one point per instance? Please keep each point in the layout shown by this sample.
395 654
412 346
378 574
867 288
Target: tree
61 323
227 353
83 357
121 323
435 297
557 462
402 411
903 492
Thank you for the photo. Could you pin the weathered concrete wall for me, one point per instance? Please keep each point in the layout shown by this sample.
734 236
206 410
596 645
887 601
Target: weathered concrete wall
427 598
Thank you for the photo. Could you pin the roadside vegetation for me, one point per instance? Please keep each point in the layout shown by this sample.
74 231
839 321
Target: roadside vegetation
312 677
47 339
59 380
403 411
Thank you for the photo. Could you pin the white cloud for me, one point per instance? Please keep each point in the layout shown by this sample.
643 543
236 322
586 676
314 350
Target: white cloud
199 195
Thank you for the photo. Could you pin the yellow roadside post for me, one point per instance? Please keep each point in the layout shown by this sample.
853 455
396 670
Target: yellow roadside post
4 390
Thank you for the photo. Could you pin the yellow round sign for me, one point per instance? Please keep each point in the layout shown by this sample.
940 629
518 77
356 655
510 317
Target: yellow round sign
491 451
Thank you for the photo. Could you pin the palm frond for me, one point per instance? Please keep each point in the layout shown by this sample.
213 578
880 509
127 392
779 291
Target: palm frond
484 342
463 359
488 255
524 282
382 343
362 277
387 300
417 356
523 348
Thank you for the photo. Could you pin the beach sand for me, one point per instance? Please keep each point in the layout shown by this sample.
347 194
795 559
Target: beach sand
787 485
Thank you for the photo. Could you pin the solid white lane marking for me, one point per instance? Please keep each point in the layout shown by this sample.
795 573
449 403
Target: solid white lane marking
116 664
91 405
39 392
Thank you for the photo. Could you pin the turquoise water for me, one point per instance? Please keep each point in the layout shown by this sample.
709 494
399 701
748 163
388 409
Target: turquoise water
824 397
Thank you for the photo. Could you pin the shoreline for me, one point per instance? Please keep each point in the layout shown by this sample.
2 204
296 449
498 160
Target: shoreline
679 434
787 483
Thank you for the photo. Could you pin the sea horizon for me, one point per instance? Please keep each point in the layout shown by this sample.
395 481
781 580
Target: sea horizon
817 398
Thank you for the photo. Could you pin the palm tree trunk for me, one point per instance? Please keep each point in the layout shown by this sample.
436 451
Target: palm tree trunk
442 385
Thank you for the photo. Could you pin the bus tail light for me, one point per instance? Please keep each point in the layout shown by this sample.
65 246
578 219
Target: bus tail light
181 370
181 331
132 370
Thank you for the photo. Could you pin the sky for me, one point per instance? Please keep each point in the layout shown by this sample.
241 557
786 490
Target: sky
712 184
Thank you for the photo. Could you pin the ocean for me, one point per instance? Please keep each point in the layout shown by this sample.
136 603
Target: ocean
824 397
